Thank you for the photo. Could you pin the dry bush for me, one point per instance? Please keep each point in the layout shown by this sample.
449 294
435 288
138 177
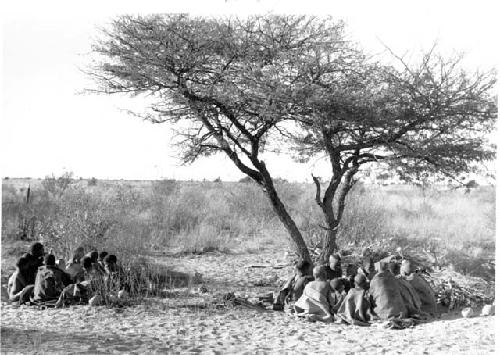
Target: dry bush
131 219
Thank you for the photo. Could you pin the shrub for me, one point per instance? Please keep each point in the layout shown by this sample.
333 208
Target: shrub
92 182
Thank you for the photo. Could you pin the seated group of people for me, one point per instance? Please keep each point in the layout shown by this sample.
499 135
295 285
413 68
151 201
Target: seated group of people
371 292
39 278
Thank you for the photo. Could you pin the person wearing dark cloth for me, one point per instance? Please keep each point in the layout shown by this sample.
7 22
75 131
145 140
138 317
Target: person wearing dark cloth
93 255
50 281
100 260
83 285
357 307
410 295
388 295
293 288
316 299
74 268
35 260
17 281
350 274
337 294
422 288
333 269
367 267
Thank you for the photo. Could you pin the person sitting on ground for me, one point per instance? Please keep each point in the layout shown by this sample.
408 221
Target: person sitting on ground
357 307
74 268
94 257
351 272
294 287
410 296
17 281
367 267
61 264
316 299
333 269
387 295
100 260
337 294
422 288
110 264
87 284
35 260
50 281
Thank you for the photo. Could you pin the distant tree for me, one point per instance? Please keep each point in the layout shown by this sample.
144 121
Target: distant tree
229 84
429 118
92 182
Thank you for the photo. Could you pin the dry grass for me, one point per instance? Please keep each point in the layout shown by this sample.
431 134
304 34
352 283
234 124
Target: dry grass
134 218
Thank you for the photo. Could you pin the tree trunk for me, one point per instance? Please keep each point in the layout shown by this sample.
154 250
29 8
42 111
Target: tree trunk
285 218
330 238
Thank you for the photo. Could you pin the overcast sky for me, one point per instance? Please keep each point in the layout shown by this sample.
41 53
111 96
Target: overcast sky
47 127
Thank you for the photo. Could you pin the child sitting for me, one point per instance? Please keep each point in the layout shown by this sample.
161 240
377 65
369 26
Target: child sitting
357 306
333 269
316 299
337 294
17 281
293 288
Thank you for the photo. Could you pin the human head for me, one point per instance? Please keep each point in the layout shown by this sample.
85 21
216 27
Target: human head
113 259
319 273
110 262
93 255
393 268
360 281
337 285
406 267
50 260
334 260
23 263
381 266
102 255
86 262
61 264
78 255
351 270
37 250
368 265
302 267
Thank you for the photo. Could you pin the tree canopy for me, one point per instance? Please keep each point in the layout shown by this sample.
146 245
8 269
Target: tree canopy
243 86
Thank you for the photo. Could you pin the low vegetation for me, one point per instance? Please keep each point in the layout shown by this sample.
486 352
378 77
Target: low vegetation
448 227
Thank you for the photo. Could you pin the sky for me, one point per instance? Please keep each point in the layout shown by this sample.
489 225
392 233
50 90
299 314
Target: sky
48 126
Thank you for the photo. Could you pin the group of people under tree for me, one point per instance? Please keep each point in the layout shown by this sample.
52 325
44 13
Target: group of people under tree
385 290
41 279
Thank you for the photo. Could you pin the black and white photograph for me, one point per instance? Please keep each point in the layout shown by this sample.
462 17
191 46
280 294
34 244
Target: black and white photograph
248 177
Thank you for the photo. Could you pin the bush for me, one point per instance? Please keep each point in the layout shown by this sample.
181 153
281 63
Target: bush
133 219
92 182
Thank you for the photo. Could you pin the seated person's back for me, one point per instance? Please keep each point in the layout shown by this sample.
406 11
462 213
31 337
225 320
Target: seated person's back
50 280
357 305
17 281
387 295
316 299
422 288
35 260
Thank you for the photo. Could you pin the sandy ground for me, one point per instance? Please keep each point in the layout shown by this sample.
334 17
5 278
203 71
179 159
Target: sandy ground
179 323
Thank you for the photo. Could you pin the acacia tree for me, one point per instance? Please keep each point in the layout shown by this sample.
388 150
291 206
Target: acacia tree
432 117
232 85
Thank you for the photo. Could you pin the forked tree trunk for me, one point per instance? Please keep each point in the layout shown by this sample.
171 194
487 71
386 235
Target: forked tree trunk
330 238
329 243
